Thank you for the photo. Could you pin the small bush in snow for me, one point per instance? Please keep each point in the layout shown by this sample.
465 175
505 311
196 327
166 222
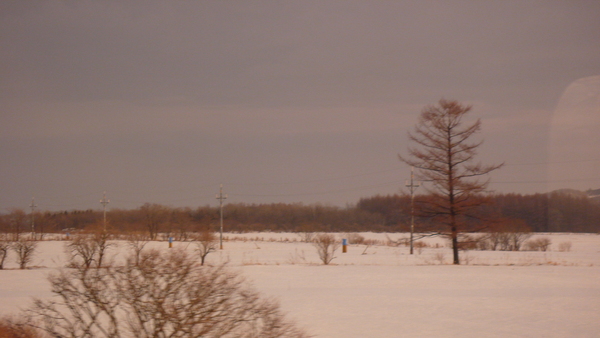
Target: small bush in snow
538 244
564 246
354 238
326 245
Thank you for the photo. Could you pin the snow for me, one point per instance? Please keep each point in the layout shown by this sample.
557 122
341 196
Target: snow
386 292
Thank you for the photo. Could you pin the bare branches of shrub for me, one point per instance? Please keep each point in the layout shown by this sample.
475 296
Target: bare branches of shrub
206 242
136 241
89 248
504 235
564 246
25 250
354 238
165 295
326 245
306 237
538 244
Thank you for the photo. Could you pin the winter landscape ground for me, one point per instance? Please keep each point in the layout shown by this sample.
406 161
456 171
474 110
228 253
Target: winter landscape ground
382 291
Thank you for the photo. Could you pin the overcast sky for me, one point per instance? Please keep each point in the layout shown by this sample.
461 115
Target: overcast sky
284 101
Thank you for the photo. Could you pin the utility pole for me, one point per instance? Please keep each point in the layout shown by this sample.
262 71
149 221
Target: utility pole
413 186
32 206
220 197
104 202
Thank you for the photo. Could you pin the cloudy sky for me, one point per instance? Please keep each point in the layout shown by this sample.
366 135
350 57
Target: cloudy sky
284 101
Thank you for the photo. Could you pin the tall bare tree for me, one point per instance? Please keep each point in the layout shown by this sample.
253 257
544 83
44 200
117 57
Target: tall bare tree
445 156
5 246
155 216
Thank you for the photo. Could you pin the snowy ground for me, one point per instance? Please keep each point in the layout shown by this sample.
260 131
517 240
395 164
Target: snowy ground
382 291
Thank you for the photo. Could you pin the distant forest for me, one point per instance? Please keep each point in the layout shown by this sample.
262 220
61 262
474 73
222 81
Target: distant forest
555 212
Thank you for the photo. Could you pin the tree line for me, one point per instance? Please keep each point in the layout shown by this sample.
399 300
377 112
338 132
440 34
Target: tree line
554 212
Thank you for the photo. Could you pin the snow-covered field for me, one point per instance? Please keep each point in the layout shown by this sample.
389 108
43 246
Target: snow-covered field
382 291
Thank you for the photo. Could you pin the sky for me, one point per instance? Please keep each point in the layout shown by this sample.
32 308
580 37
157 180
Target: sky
285 101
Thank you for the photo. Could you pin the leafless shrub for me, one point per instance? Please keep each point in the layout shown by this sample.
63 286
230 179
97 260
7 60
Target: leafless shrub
505 235
483 242
206 242
371 242
468 242
326 245
25 249
297 258
539 244
136 241
165 295
419 246
89 248
517 239
440 257
564 246
354 238
306 237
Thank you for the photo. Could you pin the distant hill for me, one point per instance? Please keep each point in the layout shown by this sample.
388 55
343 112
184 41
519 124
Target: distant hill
570 192
593 194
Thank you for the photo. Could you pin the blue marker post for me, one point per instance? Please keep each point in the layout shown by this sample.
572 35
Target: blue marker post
170 242
344 245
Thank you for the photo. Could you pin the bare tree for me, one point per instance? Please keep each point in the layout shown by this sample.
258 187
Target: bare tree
206 242
326 245
136 242
89 247
445 158
155 216
18 223
165 295
25 250
5 246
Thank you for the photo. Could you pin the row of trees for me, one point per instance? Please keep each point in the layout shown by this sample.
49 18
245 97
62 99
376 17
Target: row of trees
554 212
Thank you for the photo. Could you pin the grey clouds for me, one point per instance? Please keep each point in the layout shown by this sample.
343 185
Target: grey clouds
281 101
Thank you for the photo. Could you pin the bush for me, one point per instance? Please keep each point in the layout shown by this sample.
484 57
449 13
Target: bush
25 249
539 244
163 295
354 238
326 245
564 246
